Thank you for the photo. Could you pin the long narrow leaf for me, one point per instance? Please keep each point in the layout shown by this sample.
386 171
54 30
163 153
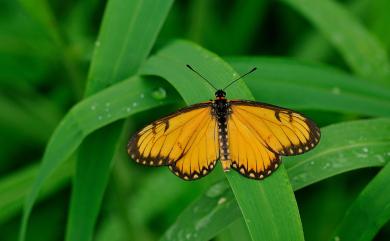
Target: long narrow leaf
369 212
360 49
89 115
13 188
128 32
299 85
259 201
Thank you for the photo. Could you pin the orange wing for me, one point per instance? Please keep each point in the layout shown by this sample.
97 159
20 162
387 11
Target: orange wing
186 141
260 133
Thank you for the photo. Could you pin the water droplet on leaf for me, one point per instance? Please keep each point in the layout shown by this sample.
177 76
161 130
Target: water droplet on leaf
159 93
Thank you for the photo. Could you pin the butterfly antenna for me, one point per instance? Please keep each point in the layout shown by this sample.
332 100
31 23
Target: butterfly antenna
242 76
189 66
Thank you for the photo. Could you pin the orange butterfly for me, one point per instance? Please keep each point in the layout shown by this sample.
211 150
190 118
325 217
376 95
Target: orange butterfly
245 135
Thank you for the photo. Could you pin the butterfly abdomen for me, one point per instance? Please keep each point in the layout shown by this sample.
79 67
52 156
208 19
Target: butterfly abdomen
221 111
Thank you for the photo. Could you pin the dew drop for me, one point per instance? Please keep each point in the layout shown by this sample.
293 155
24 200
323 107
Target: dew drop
327 165
93 107
135 104
108 104
97 43
142 95
159 93
216 190
365 149
100 117
108 115
336 238
336 91
312 163
128 109
221 200
295 178
337 37
380 158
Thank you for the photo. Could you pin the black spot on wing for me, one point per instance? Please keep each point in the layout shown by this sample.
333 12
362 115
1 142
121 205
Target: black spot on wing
314 139
195 174
252 174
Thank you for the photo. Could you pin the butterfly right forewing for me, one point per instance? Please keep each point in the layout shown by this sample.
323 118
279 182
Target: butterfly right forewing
260 133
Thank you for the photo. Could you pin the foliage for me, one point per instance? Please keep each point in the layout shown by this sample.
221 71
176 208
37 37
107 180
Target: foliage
79 77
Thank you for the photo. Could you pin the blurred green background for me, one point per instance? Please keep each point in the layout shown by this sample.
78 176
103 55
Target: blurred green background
46 49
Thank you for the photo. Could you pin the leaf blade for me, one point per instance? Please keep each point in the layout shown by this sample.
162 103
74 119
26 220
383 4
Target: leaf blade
303 86
169 64
88 116
369 212
348 36
128 32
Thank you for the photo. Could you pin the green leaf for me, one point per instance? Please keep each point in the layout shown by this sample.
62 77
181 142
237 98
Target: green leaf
213 210
301 85
90 181
128 32
343 147
380 19
363 53
16 186
41 12
99 110
24 117
259 201
236 231
369 212
127 35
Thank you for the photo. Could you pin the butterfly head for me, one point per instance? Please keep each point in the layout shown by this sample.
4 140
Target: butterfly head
220 94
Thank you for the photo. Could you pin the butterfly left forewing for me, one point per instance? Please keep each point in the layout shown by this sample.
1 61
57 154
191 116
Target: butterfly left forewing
159 143
185 141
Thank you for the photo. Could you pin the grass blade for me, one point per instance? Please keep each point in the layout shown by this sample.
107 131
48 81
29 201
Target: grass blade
90 181
333 155
273 194
16 186
302 85
41 12
204 210
137 23
369 212
344 147
90 115
128 32
360 49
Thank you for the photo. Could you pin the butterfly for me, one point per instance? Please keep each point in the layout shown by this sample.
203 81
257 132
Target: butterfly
247 136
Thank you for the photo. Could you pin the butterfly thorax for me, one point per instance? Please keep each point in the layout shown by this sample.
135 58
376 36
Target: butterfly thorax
221 111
